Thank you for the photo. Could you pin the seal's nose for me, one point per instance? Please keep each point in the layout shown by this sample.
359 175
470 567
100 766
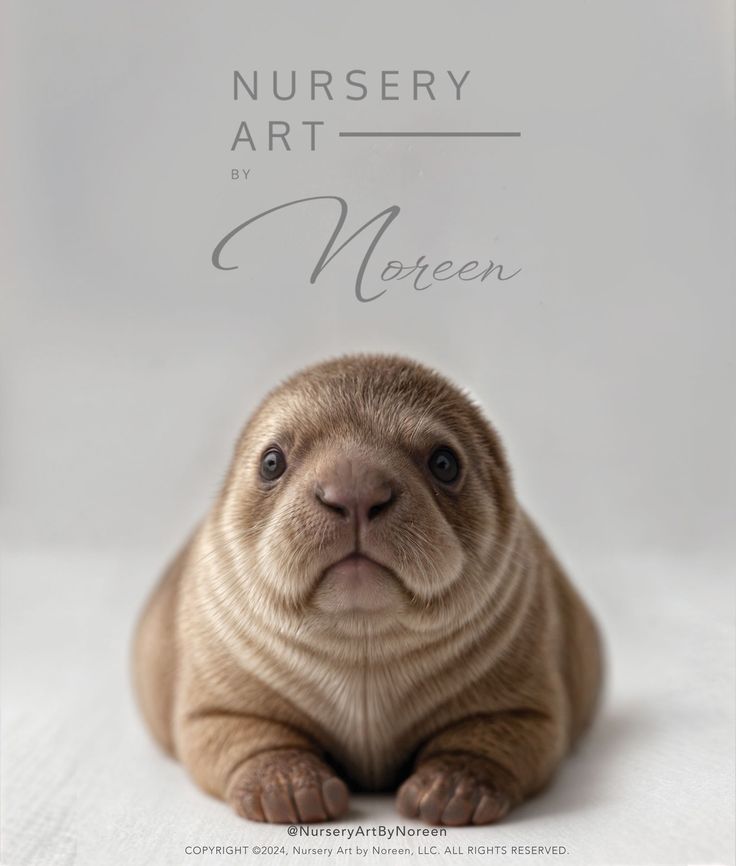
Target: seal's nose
354 489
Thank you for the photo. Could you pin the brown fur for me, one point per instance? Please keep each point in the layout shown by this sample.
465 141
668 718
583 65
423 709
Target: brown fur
479 671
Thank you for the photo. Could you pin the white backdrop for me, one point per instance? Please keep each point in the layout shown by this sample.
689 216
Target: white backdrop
130 362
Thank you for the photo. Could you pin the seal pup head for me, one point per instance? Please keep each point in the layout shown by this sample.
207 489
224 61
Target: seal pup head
367 492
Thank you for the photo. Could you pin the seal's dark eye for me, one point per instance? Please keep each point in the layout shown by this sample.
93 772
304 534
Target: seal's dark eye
444 465
273 464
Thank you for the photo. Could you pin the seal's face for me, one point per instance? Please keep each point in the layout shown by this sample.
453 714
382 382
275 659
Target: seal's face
367 488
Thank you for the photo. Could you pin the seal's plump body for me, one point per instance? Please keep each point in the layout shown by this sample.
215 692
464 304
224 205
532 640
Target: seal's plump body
367 602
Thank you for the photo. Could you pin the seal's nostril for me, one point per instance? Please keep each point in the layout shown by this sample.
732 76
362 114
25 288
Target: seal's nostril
332 506
379 507
375 510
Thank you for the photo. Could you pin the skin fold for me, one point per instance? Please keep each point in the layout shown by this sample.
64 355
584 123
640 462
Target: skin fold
375 617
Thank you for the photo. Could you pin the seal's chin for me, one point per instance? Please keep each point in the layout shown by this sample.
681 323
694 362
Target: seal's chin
357 584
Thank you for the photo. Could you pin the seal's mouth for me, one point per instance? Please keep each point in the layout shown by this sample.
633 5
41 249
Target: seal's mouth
357 583
356 562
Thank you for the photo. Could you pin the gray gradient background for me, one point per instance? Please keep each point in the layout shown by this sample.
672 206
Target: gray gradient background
129 363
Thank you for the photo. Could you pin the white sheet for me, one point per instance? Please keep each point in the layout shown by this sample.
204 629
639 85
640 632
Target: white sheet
82 783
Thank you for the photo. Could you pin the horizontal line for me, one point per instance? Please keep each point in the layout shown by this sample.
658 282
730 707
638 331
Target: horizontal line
429 134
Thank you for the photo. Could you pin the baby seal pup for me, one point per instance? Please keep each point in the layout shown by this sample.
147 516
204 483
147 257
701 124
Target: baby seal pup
367 603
